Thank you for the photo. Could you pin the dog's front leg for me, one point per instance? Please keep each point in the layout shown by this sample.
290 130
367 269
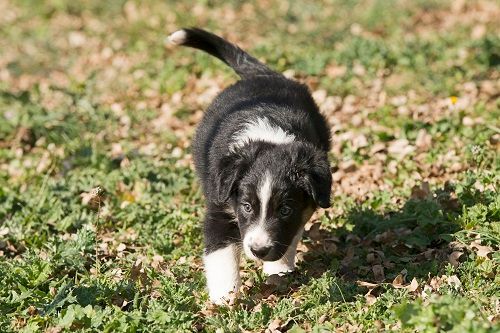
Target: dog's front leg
287 262
222 257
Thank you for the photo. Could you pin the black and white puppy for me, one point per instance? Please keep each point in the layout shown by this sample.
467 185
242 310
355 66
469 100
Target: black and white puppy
261 155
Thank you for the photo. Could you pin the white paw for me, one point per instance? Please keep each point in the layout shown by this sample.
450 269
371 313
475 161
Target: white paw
279 267
223 298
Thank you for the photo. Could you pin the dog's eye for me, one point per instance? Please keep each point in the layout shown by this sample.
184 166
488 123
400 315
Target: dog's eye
285 210
247 207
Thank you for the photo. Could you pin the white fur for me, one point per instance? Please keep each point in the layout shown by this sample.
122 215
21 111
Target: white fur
265 191
222 272
258 236
177 37
261 130
287 262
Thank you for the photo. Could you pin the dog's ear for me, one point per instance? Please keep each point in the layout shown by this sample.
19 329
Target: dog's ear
230 170
314 175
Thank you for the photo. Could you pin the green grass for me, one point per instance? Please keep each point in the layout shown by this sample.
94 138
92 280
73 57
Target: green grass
91 98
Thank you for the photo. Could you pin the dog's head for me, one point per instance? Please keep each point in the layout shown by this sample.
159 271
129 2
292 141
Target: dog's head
273 190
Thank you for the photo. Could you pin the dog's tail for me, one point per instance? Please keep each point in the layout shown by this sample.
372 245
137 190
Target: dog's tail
243 64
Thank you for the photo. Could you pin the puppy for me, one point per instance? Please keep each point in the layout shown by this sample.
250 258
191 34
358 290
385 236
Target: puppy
261 155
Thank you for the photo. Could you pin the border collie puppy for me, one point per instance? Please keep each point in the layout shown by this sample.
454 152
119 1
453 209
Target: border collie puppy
261 155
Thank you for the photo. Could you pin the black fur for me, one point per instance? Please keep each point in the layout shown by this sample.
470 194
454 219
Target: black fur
300 169
244 64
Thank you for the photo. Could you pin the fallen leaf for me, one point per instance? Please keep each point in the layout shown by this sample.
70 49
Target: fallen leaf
399 280
453 258
481 250
423 140
400 148
349 256
4 231
314 232
210 309
378 272
54 329
370 299
421 192
371 258
435 282
274 325
413 285
454 282
94 198
329 247
351 238
377 147
368 285
137 272
157 260
32 310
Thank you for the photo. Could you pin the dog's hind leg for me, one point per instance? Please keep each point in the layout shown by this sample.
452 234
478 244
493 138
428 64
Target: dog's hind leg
222 256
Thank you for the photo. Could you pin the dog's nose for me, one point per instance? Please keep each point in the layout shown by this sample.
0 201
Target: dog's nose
260 251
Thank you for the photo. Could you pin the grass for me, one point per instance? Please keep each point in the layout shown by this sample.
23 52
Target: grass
100 209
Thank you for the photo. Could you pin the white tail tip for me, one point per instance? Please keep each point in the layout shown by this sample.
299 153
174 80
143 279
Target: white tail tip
177 37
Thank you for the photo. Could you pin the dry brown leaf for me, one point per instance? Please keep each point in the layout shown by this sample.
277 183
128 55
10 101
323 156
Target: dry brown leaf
53 329
210 309
421 192
314 232
351 238
368 285
4 231
400 148
137 272
275 325
377 147
481 250
494 318
121 247
157 260
378 272
370 299
453 281
347 166
435 282
329 247
346 261
398 281
32 310
453 258
413 285
371 258
423 140
94 198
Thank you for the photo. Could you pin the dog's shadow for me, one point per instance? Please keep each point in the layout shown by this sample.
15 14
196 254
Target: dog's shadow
365 245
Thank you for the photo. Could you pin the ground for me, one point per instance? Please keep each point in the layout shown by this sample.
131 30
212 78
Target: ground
100 210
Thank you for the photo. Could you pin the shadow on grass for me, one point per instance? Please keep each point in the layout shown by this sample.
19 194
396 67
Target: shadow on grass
376 247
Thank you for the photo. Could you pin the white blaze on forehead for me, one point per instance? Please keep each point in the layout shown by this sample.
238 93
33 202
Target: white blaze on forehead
258 236
264 195
261 130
